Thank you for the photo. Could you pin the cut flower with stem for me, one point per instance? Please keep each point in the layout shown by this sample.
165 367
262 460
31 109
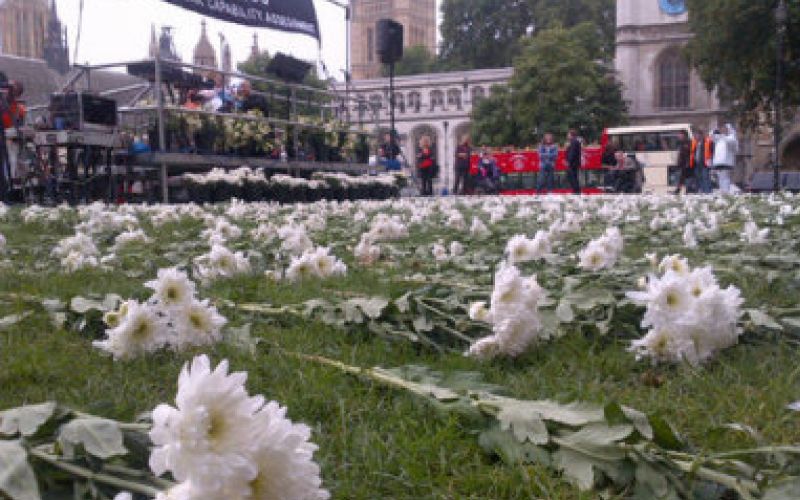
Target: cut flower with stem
223 443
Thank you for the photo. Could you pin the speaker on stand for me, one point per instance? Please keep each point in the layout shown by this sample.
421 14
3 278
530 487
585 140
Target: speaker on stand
390 50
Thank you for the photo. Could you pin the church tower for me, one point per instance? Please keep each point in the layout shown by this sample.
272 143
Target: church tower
23 27
418 18
658 83
56 49
204 53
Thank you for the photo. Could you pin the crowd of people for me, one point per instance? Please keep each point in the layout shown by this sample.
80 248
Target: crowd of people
701 155
225 97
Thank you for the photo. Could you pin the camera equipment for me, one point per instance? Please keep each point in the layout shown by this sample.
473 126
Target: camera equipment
82 111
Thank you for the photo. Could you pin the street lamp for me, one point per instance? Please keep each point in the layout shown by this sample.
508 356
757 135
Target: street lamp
781 18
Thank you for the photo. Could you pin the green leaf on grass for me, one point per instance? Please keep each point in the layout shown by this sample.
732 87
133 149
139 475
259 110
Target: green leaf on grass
511 451
26 420
99 437
525 426
17 480
763 320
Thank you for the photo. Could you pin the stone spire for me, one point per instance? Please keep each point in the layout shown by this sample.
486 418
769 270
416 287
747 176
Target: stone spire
255 51
204 54
153 52
56 49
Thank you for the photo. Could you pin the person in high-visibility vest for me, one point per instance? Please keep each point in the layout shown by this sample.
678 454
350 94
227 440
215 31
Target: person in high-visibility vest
701 160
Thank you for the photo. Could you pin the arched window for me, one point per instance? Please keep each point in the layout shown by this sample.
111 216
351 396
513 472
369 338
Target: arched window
437 99
673 81
400 102
478 93
454 98
414 101
376 102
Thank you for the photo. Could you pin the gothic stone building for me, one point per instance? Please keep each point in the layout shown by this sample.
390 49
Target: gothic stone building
418 18
438 105
31 29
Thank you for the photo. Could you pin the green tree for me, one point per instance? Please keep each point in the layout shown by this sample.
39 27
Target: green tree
416 60
598 16
491 33
557 85
734 50
483 33
493 120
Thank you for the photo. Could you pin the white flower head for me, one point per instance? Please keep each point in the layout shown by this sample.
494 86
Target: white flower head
140 330
173 288
198 324
208 436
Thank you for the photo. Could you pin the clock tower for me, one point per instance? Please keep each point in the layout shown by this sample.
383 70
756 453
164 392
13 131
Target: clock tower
658 84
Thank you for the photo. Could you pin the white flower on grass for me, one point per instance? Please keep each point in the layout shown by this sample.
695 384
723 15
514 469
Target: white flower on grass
285 459
689 238
317 263
295 239
208 437
439 252
2 242
479 312
198 324
366 252
173 288
223 444
514 314
456 249
753 235
479 229
602 253
676 264
124 495
690 317
221 263
140 330
128 238
521 249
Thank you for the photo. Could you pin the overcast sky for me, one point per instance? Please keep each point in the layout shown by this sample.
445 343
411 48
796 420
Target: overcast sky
119 30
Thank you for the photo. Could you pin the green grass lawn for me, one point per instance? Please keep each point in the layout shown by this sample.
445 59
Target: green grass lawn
377 442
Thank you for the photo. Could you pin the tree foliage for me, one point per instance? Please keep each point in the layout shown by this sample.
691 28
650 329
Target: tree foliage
556 86
493 119
491 33
734 49
483 33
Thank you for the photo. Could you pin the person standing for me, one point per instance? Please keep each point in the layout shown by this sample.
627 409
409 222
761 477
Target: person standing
726 147
463 159
426 165
684 161
12 115
701 160
574 160
548 156
389 152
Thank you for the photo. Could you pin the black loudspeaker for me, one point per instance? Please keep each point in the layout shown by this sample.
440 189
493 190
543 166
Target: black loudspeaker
390 41
288 68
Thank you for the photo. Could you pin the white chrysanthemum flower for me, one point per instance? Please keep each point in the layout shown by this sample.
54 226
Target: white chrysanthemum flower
514 314
128 238
690 316
689 238
302 268
198 324
753 235
328 265
173 288
2 242
140 330
676 264
285 459
208 437
221 263
479 312
479 229
186 491
366 252
456 249
123 495
439 252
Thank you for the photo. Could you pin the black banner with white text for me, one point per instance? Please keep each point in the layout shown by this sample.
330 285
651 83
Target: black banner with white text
296 16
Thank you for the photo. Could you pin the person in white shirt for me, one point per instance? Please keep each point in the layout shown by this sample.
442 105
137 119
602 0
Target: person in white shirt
726 147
